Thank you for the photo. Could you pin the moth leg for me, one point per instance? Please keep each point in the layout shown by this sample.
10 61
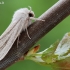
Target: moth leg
28 34
32 18
18 41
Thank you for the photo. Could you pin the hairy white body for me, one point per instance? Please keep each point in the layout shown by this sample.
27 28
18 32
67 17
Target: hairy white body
21 20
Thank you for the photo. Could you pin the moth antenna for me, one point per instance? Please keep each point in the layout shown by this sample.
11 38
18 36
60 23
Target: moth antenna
30 8
27 33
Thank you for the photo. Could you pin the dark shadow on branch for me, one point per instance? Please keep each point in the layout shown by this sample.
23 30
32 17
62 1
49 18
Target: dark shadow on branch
37 30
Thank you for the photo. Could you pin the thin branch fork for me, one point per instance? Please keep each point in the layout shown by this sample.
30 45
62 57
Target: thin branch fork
37 30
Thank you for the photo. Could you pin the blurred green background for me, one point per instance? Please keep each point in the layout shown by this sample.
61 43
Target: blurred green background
38 6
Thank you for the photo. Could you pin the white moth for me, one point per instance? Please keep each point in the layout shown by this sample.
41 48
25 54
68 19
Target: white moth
21 20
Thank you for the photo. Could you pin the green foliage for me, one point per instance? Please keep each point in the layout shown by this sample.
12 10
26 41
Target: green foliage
57 55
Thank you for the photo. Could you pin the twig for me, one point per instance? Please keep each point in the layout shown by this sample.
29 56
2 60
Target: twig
36 31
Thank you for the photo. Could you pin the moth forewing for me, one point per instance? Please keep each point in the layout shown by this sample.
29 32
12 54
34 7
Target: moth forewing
11 37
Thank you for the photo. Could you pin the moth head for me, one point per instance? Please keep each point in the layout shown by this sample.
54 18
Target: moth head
31 13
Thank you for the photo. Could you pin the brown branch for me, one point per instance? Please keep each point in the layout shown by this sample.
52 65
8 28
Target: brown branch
37 30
